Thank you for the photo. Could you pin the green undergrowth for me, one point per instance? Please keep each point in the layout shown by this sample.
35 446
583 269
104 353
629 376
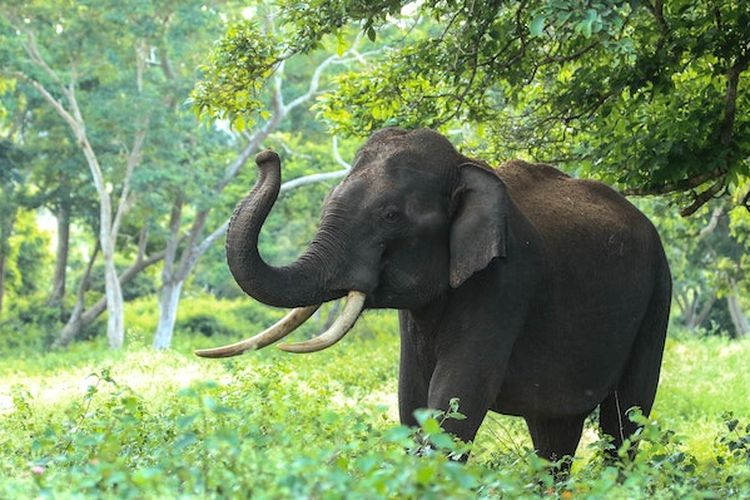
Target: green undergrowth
145 424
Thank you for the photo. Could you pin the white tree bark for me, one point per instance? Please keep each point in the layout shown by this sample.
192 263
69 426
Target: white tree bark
739 319
108 223
169 300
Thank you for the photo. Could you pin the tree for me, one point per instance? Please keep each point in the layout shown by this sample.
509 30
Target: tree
708 260
56 33
180 260
11 190
644 94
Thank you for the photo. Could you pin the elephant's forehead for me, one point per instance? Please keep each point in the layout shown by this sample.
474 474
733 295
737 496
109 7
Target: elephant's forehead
366 188
402 177
413 159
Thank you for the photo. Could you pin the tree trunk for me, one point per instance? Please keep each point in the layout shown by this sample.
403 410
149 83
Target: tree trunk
701 316
61 255
739 319
169 300
115 302
169 297
73 326
6 228
3 257
688 306
84 318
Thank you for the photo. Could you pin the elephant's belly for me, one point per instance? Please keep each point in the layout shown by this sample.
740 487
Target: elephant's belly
552 400
563 375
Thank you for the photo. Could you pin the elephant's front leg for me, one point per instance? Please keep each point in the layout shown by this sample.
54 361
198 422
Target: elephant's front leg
475 386
473 348
415 370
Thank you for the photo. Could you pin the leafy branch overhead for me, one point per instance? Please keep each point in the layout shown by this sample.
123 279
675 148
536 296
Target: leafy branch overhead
645 94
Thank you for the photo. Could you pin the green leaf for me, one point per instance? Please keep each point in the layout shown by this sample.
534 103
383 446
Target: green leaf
537 25
425 474
341 44
397 434
431 426
584 27
442 440
239 123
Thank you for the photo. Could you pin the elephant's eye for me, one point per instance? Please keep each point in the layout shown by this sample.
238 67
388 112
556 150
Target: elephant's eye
391 215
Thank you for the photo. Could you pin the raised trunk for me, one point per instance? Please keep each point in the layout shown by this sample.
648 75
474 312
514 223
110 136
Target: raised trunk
169 299
306 281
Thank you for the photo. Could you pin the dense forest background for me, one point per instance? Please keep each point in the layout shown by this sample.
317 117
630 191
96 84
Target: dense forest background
128 133
128 129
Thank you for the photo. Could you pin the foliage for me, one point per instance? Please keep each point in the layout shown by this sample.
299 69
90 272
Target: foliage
141 423
239 66
644 94
707 254
28 256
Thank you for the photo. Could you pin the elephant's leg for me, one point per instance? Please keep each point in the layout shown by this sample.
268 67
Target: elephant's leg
415 370
555 438
474 343
473 371
474 391
637 385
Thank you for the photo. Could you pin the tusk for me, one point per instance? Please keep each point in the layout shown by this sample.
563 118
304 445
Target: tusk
355 301
280 329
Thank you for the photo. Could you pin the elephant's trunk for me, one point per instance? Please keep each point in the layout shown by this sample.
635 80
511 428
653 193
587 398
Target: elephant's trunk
302 283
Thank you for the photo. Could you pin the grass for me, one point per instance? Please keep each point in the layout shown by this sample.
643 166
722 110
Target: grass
139 423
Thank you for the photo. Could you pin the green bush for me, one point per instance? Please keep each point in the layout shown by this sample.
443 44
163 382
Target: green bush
28 324
140 423
204 324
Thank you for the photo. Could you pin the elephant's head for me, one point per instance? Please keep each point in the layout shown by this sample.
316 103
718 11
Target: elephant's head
411 220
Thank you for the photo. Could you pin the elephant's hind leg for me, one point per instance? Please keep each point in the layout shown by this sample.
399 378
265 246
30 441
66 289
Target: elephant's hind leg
555 438
637 385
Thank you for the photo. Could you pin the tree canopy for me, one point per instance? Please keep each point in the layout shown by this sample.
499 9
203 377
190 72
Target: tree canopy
98 128
645 94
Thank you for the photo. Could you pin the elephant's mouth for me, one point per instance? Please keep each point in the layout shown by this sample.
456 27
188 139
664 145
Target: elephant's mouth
355 303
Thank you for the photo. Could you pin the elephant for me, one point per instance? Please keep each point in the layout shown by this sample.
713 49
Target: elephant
520 290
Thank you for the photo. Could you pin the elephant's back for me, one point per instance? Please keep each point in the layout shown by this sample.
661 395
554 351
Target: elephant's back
564 208
594 238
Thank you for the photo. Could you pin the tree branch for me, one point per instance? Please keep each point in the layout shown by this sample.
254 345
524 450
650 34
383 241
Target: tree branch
314 84
746 201
712 223
730 100
657 10
672 187
337 155
33 52
702 198
134 158
56 104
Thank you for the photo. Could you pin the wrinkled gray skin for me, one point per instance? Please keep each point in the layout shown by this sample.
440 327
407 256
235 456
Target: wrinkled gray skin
520 290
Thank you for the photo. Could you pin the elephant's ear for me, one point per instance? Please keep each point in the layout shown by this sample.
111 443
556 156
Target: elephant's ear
479 229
